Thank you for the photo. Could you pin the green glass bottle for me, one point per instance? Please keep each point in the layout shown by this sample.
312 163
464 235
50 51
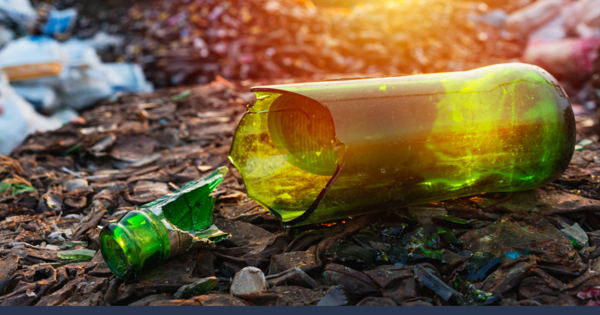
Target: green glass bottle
169 226
322 151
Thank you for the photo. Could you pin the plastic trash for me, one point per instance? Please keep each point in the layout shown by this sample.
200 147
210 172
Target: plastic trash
18 118
18 11
568 59
81 54
102 41
84 88
59 21
35 59
169 226
529 18
6 35
323 151
127 78
42 97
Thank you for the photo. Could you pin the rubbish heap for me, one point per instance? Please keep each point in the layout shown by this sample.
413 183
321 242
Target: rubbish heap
54 78
189 42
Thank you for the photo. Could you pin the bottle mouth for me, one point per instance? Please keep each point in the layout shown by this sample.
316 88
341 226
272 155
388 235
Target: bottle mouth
285 150
114 242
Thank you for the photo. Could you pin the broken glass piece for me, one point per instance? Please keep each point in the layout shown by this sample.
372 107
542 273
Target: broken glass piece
318 152
168 226
190 207
451 222
481 265
181 96
77 254
424 236
71 244
449 238
398 255
423 255
474 297
434 283
197 288
392 232
576 235
15 186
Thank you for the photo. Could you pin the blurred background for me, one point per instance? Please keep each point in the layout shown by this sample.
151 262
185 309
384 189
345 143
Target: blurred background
63 56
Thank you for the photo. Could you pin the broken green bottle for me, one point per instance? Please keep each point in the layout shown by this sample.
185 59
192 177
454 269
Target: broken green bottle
323 151
168 226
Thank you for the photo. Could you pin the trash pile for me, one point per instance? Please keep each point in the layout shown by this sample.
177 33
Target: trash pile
58 189
54 78
190 42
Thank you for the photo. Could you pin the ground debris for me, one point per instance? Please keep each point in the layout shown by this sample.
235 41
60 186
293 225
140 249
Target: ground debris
59 188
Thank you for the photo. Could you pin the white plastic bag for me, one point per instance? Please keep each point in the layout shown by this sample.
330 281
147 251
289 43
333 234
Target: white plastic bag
18 11
84 88
59 21
103 40
81 55
42 97
38 59
18 118
6 35
127 78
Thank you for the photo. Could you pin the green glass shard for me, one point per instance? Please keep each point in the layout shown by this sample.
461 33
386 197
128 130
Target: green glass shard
165 227
79 254
190 207
181 96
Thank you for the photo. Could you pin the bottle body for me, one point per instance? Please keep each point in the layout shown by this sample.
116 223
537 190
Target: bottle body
138 240
402 141
166 227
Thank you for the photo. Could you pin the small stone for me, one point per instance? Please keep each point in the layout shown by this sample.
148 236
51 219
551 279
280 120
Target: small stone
197 288
577 235
247 280
76 184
